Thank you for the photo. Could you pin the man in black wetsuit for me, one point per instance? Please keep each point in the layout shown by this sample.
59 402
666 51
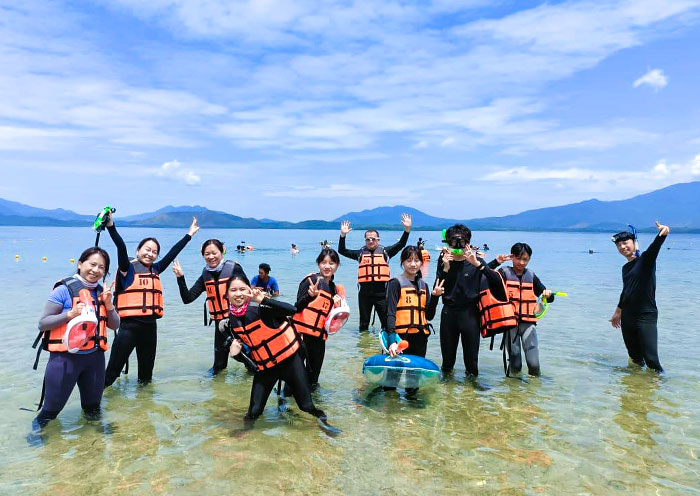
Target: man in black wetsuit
636 313
462 272
373 270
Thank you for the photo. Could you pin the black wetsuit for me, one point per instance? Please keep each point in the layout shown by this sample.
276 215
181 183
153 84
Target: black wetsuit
460 311
291 370
372 294
136 332
314 347
638 305
190 295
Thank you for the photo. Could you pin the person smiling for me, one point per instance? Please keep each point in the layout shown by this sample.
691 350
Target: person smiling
215 275
636 313
373 270
139 301
85 366
310 321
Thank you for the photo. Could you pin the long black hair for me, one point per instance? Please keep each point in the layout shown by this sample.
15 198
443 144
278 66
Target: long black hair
328 252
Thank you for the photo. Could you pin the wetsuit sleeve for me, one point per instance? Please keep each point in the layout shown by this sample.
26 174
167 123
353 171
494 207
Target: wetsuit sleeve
539 288
649 256
52 316
122 255
113 319
163 263
354 254
396 247
189 295
278 309
495 281
393 291
303 297
493 264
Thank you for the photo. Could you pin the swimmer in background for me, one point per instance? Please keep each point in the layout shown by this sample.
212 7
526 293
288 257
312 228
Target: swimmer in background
294 249
265 281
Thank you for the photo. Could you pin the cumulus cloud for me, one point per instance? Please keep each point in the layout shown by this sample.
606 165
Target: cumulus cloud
175 170
654 78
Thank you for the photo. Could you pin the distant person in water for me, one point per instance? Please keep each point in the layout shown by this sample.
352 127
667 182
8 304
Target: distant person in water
636 313
294 249
486 247
265 281
373 270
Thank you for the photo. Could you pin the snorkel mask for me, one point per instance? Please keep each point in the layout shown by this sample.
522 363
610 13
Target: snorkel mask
456 243
625 235
101 219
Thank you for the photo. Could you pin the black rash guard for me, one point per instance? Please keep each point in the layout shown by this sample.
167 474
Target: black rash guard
191 294
639 282
463 280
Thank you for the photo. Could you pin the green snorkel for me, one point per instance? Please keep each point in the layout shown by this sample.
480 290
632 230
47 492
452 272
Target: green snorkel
542 305
455 251
101 221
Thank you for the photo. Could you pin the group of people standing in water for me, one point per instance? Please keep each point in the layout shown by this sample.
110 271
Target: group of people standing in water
282 342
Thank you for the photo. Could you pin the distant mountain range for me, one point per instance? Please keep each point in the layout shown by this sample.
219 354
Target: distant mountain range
677 205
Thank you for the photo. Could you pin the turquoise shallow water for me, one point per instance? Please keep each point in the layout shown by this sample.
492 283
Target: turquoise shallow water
589 425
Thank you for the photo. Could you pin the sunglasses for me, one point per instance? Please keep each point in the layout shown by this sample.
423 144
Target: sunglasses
371 238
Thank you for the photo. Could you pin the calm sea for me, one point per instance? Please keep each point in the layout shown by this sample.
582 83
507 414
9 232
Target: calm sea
590 425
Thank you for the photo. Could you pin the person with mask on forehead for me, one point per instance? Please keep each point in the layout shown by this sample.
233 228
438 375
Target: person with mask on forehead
636 313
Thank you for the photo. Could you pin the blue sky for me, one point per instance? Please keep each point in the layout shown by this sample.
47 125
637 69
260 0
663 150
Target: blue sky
306 109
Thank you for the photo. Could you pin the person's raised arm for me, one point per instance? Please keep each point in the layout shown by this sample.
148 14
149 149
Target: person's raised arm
396 247
191 294
344 230
163 263
122 254
653 251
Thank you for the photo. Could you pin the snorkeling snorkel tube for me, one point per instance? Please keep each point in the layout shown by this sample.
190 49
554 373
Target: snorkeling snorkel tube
636 243
455 251
101 221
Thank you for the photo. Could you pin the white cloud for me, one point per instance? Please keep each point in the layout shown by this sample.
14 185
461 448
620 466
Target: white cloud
654 78
174 170
345 191
659 175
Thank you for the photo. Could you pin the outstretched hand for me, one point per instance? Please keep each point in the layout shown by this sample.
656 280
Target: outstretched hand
345 228
439 289
501 259
177 269
193 227
256 294
106 296
110 220
470 256
313 287
407 222
663 230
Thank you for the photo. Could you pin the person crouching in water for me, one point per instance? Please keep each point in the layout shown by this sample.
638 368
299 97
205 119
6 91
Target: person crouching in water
410 306
523 288
86 366
274 346
636 311
463 274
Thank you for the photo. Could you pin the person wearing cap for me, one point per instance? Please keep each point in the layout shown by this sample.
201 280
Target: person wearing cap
636 313
265 281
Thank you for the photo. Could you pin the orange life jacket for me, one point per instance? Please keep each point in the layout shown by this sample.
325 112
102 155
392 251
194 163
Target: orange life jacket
521 292
144 296
410 308
425 254
217 301
53 338
268 346
312 319
496 316
374 266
